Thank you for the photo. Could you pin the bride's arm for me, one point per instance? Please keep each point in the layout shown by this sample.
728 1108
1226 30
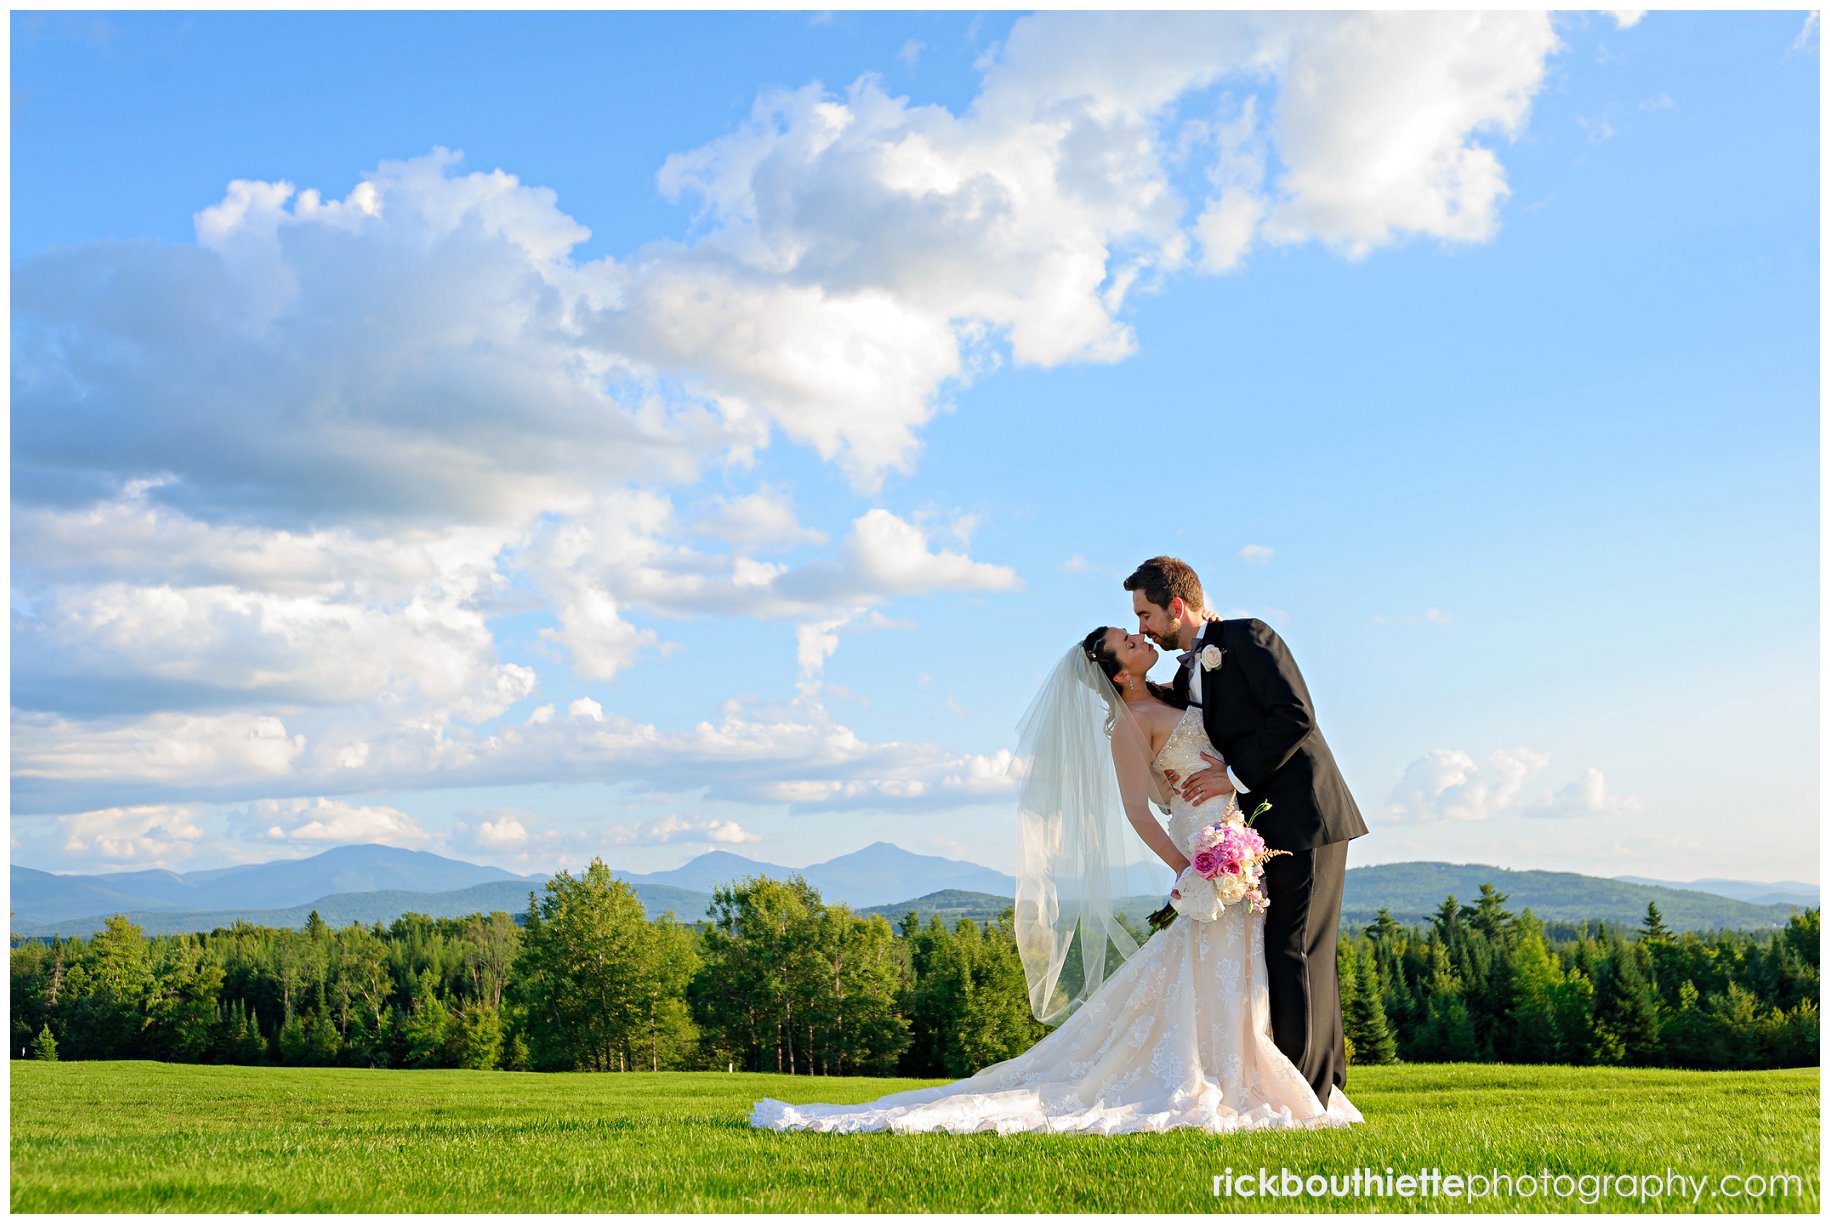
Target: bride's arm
1134 786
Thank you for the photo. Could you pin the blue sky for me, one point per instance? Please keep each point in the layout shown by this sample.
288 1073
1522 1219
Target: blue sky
531 437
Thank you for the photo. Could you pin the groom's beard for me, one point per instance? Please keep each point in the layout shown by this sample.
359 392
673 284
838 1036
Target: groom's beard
1172 640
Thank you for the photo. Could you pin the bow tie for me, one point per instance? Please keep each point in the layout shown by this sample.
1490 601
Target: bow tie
1183 658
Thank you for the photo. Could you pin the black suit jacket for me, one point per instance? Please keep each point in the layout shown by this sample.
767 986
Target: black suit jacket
1257 712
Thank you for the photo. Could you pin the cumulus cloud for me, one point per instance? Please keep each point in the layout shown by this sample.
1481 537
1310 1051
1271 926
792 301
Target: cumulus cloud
271 486
148 835
855 254
1446 784
323 820
623 554
677 828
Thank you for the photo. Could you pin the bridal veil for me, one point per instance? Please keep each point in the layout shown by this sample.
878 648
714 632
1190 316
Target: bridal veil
1077 853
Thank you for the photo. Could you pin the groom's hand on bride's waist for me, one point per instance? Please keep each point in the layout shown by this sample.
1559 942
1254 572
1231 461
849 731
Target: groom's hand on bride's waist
1205 784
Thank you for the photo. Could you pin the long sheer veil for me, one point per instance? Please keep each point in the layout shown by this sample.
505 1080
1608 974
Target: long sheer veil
1076 849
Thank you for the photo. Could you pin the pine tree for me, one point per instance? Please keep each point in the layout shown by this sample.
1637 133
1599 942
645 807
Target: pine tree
429 1026
1490 917
1652 926
44 1046
1373 1043
290 1042
1626 1010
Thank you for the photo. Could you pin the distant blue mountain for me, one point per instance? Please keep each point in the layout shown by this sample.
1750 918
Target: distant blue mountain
39 897
1754 892
877 874
711 869
379 883
508 896
881 873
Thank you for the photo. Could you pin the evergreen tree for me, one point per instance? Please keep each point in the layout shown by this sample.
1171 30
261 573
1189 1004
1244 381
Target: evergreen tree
1446 1032
181 1013
994 1021
429 1029
1373 1043
107 994
1490 917
1626 1009
322 1041
1652 926
290 1043
44 1046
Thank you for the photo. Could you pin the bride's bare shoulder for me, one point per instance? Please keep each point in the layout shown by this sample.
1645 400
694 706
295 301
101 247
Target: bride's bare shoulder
1159 718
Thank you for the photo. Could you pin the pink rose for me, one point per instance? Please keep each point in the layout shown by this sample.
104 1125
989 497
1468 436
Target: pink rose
1206 863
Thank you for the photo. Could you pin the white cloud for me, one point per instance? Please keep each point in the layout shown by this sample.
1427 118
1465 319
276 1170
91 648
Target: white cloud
501 833
149 835
677 828
1380 119
1445 784
1626 19
172 752
911 51
764 519
322 820
620 556
1587 796
1806 39
1256 554
272 486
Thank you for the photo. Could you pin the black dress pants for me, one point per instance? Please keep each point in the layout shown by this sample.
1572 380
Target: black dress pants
1299 936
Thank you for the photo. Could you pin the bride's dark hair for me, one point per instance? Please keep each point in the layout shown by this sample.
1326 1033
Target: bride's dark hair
1094 644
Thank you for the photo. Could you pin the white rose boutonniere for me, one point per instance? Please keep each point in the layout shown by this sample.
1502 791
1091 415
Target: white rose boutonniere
1211 658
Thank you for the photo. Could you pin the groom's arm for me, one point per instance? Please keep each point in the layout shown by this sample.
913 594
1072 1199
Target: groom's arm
1274 680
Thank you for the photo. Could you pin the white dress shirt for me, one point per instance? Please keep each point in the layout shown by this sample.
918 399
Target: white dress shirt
1194 694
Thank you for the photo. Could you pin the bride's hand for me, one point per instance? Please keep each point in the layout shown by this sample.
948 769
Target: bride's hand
1209 782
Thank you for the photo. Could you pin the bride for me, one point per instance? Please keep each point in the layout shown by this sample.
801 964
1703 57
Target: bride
1175 1033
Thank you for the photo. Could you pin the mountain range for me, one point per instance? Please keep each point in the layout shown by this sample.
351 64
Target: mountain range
379 883
1779 892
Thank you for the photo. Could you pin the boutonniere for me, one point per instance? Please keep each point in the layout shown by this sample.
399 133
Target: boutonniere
1211 658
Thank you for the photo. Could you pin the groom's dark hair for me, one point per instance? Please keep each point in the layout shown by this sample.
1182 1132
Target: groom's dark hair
1162 579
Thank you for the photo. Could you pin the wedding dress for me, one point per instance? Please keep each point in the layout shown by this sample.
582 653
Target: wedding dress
1179 1036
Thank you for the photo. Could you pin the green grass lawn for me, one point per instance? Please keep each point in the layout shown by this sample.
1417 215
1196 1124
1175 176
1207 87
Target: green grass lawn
138 1136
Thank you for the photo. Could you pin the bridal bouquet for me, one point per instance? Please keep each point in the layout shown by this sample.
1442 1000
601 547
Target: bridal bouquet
1228 867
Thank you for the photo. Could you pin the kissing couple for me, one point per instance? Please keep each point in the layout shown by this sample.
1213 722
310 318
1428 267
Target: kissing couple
1228 1019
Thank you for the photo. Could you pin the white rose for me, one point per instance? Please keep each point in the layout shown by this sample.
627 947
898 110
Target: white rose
1210 657
1230 888
1198 901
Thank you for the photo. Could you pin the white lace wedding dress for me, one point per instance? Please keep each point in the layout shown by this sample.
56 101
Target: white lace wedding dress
1180 1036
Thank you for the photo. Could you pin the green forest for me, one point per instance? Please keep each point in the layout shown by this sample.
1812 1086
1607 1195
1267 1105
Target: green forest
774 980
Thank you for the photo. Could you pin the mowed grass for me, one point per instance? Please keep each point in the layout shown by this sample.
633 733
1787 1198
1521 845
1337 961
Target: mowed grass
138 1136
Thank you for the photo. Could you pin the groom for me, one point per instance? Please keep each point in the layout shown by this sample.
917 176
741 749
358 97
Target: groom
1257 712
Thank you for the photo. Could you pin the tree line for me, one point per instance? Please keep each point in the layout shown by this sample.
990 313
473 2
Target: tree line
772 979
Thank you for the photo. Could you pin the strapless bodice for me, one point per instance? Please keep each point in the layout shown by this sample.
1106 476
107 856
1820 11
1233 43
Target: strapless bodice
1182 753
